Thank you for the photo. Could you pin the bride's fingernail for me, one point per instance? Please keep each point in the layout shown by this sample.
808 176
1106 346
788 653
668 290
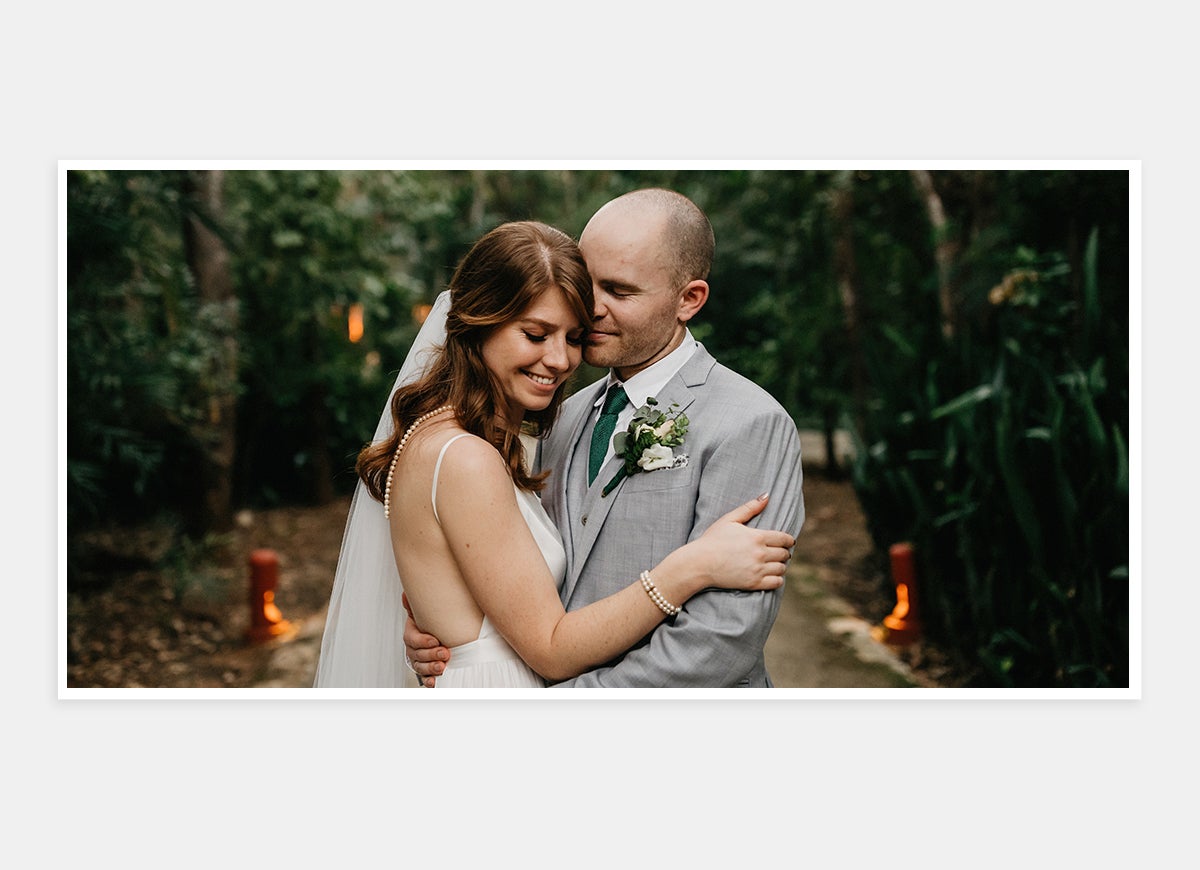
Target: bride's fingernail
763 497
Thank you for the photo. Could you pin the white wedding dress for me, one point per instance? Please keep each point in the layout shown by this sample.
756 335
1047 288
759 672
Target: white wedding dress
363 643
488 662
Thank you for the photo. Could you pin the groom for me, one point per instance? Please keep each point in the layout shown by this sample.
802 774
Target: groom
649 254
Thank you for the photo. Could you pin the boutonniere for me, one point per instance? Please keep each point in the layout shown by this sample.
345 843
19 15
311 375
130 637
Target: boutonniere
647 444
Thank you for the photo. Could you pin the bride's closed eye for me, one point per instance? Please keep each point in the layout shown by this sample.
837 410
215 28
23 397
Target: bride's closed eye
573 340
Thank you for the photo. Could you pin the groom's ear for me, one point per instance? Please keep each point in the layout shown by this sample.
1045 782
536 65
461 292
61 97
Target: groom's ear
692 299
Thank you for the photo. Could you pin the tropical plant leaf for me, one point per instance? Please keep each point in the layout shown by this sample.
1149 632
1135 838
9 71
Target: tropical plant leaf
964 402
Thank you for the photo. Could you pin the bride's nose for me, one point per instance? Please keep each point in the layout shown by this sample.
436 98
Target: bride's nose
556 357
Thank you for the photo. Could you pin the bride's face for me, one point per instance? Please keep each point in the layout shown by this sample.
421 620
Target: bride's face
534 354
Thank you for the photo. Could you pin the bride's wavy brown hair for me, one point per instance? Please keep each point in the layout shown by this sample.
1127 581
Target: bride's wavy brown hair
502 275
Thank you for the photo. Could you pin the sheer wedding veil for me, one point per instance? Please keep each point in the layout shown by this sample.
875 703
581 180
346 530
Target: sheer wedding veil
363 644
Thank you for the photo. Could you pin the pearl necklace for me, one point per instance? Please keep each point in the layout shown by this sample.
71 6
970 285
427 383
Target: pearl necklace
387 489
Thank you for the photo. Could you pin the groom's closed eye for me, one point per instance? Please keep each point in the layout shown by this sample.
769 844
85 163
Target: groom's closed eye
618 292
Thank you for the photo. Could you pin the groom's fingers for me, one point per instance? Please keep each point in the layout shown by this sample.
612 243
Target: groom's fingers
429 653
429 662
425 653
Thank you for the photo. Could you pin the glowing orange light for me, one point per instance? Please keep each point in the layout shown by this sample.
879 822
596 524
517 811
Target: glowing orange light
266 620
356 322
903 624
420 312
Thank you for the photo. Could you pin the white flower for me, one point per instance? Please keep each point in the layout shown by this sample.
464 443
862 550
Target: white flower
660 433
657 456
646 443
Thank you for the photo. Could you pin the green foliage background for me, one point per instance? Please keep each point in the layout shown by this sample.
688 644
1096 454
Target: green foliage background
1000 451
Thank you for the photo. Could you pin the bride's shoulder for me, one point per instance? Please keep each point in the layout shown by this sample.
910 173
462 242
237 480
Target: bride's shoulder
463 453
471 472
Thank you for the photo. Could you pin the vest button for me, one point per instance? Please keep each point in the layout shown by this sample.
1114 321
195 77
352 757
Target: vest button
584 520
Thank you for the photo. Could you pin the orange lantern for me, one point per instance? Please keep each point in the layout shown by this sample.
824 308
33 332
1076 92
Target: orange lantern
903 624
266 620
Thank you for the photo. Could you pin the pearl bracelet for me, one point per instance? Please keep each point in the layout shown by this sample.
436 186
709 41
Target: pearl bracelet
656 596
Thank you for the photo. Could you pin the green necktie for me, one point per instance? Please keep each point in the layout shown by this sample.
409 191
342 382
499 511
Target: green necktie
602 434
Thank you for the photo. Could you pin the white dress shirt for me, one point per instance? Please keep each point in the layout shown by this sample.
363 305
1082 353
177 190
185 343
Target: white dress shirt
646 383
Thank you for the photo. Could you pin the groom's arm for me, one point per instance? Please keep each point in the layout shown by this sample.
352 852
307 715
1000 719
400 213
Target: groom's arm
719 636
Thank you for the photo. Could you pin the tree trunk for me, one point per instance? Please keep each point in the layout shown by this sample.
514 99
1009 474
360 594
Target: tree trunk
945 250
318 417
833 462
208 261
846 270
478 198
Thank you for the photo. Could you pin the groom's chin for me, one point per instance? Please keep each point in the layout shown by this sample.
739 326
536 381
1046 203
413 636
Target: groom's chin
597 357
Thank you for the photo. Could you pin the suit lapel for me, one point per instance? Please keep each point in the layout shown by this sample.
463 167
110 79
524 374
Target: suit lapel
566 440
595 507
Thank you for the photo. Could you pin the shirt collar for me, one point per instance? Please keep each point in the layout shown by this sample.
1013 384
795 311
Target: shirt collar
651 380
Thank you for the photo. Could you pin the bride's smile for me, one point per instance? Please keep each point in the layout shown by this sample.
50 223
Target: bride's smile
533 355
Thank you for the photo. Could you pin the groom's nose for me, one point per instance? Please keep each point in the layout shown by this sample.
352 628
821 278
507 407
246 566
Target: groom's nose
598 309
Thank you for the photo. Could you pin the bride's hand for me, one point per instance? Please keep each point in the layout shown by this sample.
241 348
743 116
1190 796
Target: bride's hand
732 555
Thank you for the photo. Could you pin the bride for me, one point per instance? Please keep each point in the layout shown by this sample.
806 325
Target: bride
445 499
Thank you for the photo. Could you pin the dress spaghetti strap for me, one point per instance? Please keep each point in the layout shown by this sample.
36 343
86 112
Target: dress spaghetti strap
437 470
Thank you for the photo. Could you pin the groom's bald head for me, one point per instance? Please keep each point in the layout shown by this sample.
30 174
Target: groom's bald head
685 236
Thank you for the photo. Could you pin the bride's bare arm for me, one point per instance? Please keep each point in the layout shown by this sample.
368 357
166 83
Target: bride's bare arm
509 579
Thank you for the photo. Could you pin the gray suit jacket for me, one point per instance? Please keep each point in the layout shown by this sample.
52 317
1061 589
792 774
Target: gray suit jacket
740 443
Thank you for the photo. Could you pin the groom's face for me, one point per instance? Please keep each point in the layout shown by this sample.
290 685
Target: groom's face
637 303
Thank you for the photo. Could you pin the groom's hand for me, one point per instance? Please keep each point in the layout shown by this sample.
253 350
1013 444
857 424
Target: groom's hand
424 652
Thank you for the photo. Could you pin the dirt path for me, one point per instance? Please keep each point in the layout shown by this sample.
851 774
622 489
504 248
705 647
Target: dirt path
131 623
